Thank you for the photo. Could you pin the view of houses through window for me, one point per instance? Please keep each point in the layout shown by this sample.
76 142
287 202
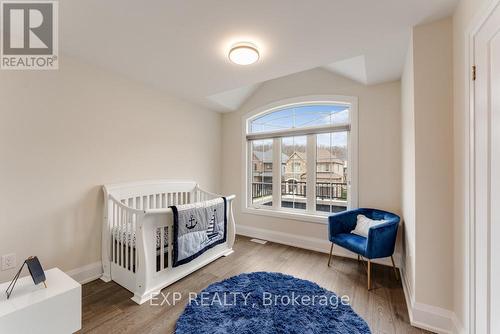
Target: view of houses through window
331 171
330 163
293 172
262 172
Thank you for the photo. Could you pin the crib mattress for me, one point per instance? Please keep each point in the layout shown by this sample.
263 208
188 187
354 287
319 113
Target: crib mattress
129 237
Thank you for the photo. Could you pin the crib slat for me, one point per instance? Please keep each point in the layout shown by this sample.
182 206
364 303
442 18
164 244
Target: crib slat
136 257
113 234
124 233
119 231
162 261
170 243
134 269
124 236
127 225
128 244
122 240
134 249
131 247
167 247
119 237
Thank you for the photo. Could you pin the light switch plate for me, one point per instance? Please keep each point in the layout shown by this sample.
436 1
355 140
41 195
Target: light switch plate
9 261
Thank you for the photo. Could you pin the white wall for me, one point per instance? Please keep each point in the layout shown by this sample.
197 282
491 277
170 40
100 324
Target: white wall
408 169
379 145
427 186
65 133
462 19
433 162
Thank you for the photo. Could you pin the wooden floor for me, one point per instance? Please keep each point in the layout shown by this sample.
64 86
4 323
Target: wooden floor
107 307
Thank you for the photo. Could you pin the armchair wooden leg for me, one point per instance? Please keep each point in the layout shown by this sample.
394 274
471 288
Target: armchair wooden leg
369 274
395 270
330 257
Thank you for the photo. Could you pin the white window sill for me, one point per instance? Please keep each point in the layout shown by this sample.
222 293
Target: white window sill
304 217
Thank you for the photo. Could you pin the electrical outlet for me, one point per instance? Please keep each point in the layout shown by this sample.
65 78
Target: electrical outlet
8 261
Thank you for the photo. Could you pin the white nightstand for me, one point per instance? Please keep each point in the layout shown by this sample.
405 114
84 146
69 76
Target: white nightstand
36 309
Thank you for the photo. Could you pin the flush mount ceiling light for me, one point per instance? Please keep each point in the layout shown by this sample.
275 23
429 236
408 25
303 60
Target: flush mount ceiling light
244 54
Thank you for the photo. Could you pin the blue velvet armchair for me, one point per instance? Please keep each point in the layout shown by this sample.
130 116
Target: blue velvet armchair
381 238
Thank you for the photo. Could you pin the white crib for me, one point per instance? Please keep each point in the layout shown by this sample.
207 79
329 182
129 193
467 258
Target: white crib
137 234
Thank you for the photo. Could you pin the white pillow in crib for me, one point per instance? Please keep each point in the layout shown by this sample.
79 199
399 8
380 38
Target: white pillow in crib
363 225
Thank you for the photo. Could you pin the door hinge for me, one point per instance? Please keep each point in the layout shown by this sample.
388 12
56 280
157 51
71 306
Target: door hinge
474 71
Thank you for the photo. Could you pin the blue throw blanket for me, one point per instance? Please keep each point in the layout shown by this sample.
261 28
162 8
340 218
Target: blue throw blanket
197 228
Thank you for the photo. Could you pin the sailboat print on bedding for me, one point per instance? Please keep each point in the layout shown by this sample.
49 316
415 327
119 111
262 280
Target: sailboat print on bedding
197 228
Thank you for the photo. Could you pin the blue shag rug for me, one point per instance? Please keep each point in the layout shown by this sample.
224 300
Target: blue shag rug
265 303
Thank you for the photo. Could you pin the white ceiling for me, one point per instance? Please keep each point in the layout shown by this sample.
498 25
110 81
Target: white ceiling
355 69
181 46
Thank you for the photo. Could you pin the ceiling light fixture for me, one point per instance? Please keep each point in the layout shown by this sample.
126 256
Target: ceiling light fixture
244 54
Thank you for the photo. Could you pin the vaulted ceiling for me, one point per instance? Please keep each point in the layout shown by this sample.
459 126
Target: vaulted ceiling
180 47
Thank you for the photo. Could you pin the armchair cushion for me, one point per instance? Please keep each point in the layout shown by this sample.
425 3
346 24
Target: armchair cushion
352 242
363 225
343 222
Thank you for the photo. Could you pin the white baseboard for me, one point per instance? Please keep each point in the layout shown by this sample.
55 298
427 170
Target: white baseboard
86 273
429 317
314 244
457 325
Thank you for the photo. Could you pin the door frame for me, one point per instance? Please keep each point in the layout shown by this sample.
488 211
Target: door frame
470 171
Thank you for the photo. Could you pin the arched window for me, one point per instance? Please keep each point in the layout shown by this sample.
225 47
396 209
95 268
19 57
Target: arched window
301 116
306 149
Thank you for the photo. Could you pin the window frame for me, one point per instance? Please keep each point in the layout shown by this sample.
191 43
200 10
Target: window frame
310 214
